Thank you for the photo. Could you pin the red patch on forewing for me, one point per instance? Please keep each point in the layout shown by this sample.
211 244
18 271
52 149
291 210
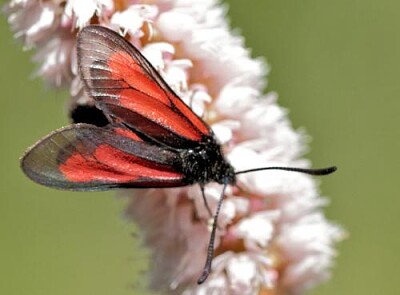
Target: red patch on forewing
127 133
124 67
111 165
158 113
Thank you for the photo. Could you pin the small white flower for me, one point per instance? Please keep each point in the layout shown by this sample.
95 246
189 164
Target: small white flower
158 54
131 20
224 130
257 230
175 26
238 274
83 11
32 21
177 74
55 59
197 97
234 100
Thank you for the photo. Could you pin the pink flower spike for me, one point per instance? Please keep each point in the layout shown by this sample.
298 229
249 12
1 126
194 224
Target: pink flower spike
272 236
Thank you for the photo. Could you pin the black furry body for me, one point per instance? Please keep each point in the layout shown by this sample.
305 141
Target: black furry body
206 163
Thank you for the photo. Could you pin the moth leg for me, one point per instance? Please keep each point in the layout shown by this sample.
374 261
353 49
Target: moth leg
210 250
205 200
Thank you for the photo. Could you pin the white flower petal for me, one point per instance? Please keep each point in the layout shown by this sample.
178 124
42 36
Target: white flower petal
131 20
175 26
257 229
223 130
242 272
83 11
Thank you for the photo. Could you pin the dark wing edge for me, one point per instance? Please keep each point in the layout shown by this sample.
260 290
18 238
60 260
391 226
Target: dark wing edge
98 45
84 157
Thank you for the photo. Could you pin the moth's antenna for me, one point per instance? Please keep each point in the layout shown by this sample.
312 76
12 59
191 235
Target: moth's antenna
210 250
320 171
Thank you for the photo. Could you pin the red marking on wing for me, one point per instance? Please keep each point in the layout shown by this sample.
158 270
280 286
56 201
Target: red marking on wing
112 165
145 97
158 112
127 133
134 76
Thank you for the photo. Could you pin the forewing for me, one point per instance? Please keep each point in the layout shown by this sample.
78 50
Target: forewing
86 157
127 87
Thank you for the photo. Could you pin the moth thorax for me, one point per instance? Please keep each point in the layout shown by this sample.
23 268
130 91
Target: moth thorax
205 163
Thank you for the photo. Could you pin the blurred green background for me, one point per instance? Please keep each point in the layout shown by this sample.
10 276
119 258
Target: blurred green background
336 67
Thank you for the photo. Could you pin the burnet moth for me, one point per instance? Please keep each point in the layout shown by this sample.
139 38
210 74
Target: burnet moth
149 137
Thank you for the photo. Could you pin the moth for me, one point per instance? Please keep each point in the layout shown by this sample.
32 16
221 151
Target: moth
150 138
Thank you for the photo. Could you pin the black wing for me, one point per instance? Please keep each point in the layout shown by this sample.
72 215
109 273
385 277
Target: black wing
86 157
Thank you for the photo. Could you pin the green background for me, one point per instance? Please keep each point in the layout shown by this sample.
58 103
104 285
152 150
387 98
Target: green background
336 67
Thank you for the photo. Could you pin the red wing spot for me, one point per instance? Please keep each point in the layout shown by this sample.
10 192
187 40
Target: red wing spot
127 133
123 66
158 113
80 169
111 165
129 164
